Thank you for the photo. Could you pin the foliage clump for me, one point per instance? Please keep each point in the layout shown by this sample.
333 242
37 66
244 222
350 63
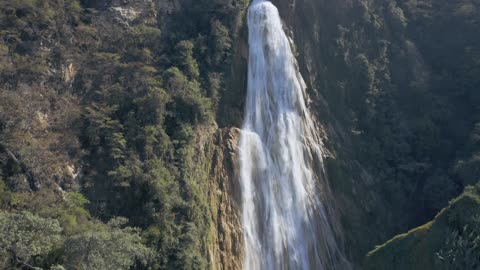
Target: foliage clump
24 235
99 119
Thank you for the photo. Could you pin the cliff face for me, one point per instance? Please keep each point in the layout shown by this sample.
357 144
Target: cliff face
399 125
324 54
114 100
226 248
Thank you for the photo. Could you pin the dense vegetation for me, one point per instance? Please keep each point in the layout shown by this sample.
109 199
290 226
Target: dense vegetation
397 83
420 91
98 120
433 142
411 93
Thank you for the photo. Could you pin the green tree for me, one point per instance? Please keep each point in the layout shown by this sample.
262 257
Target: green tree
461 249
109 247
25 235
222 43
185 59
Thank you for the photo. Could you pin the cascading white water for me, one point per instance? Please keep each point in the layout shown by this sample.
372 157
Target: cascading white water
285 225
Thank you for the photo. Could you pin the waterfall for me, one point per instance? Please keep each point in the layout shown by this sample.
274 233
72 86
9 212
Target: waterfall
284 223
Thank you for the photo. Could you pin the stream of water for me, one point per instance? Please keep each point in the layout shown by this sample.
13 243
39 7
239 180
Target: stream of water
284 223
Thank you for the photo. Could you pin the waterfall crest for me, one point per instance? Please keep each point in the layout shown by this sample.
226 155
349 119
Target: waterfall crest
284 222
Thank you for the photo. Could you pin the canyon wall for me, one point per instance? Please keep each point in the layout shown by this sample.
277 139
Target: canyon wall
136 106
397 124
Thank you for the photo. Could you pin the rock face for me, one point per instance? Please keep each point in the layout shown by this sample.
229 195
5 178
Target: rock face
226 245
368 66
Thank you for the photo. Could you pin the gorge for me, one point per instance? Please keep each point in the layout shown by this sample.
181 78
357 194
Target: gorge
238 134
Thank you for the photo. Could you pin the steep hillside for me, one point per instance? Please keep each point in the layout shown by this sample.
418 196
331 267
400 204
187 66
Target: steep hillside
450 241
396 83
103 106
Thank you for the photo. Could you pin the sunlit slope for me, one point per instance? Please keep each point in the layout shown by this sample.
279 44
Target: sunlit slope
450 241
